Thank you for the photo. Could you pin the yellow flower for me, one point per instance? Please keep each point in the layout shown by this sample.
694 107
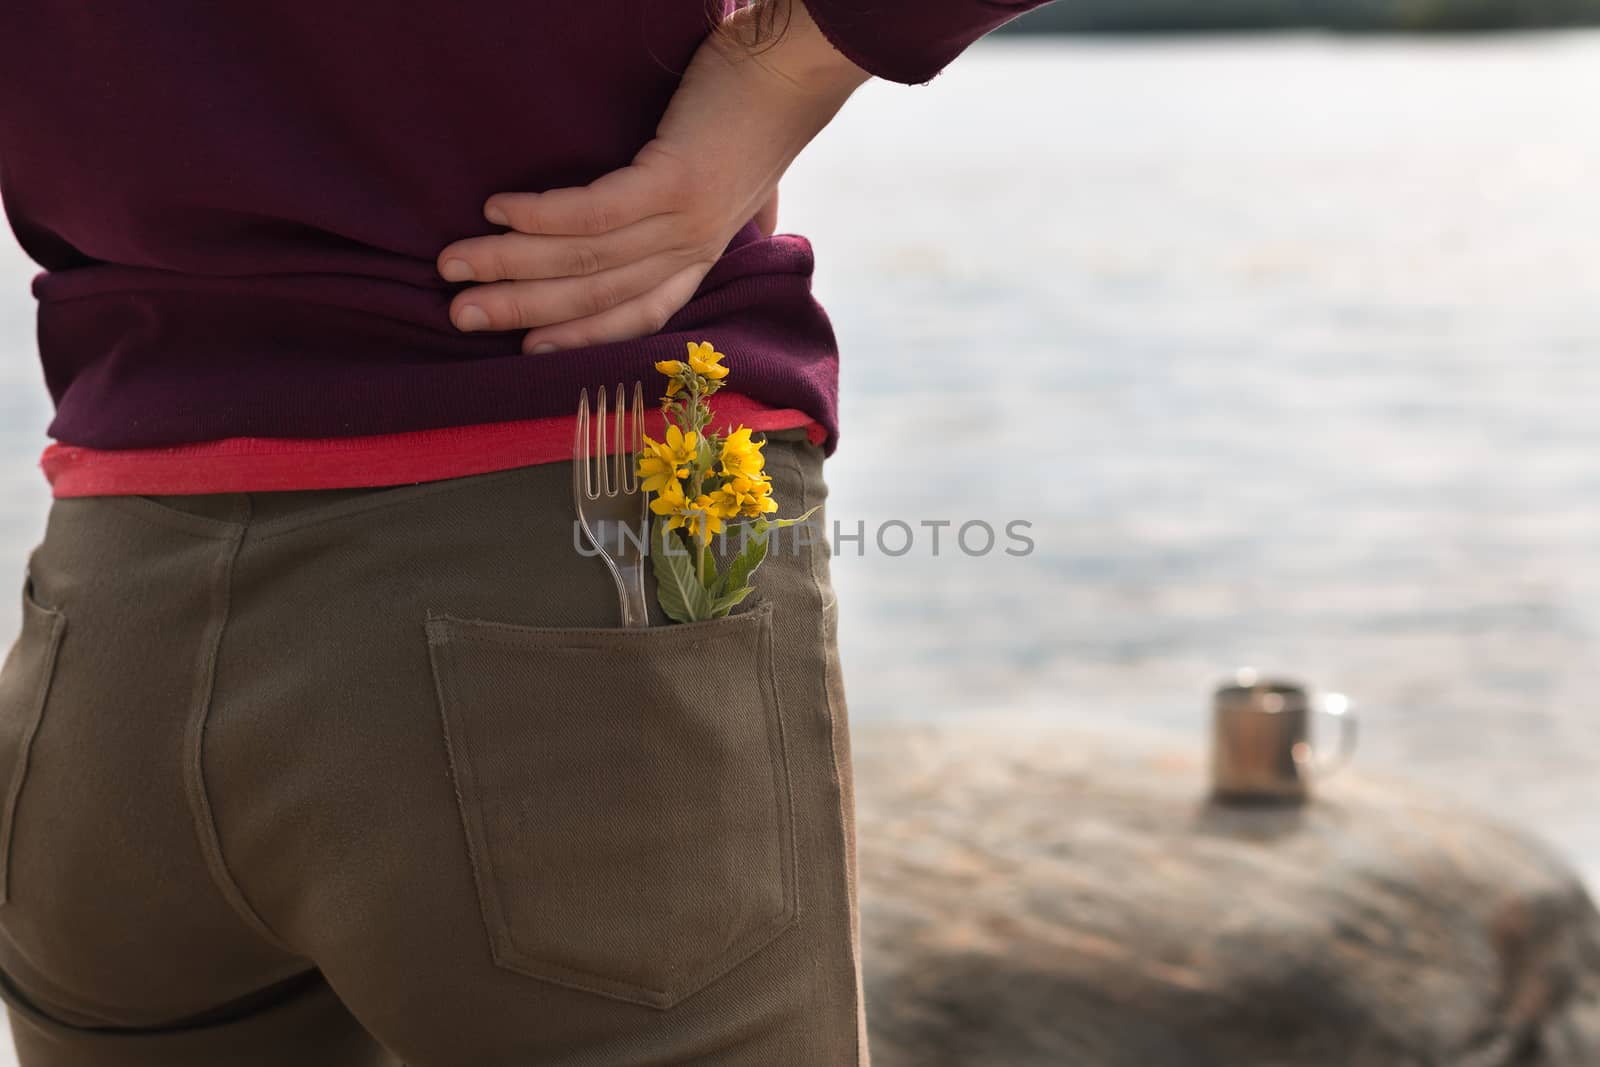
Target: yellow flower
725 501
759 500
672 368
667 461
740 488
749 497
669 502
705 360
691 514
681 512
742 456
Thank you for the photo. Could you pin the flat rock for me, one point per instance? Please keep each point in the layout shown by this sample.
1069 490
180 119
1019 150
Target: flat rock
1033 895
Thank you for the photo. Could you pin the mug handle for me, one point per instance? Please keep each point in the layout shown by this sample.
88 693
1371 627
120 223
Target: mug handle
1336 706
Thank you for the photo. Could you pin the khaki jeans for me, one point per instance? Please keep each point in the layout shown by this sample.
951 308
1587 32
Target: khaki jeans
365 777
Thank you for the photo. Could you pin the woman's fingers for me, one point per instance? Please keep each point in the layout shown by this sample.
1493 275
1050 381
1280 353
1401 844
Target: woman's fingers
641 316
609 203
512 305
517 255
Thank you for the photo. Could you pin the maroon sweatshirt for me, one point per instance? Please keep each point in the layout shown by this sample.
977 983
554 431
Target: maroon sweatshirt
238 206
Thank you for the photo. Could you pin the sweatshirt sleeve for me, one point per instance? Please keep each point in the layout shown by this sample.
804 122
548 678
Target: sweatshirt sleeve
910 41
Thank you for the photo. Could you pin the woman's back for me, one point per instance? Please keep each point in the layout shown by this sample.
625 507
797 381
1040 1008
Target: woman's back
327 749
239 208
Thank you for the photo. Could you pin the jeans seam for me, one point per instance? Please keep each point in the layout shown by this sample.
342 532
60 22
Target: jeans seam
205 827
33 717
824 605
199 526
384 497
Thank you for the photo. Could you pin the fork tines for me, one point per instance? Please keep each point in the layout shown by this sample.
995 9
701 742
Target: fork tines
610 473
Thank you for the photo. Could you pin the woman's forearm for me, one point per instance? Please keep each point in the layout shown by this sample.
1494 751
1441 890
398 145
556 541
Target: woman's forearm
786 39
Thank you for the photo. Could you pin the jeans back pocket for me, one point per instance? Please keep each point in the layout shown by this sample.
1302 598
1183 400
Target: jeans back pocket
24 685
625 796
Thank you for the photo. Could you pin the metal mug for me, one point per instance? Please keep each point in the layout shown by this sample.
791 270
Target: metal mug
1261 745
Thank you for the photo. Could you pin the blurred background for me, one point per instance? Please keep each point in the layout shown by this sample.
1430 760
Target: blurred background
1423 16
1287 347
1284 344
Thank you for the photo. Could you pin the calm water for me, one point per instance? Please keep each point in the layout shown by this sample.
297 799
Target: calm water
1289 349
1286 348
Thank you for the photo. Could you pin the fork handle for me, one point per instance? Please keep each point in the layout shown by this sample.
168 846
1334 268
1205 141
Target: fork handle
630 584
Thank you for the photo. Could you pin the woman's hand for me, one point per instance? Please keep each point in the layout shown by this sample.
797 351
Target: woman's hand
616 259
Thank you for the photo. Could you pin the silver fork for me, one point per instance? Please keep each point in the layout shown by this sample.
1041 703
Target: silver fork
611 506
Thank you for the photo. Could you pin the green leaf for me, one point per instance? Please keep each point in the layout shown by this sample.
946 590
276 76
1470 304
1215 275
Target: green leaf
743 566
713 580
763 525
725 603
678 588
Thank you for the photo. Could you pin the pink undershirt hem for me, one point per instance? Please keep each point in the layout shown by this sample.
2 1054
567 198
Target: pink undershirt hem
269 464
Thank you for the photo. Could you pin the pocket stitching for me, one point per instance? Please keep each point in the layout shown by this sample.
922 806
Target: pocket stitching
783 782
464 783
34 711
445 631
445 628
